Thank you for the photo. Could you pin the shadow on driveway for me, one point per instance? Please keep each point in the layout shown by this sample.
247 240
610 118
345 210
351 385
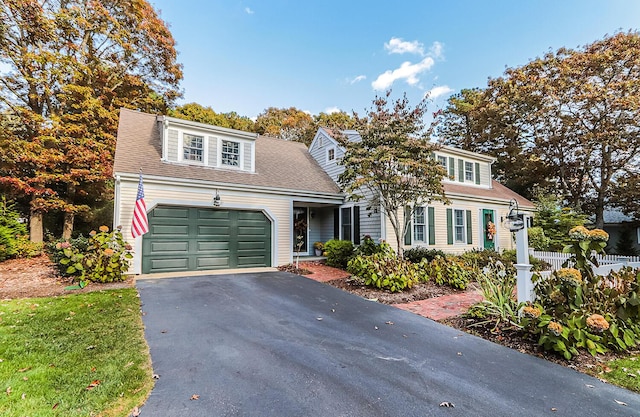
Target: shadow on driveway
277 344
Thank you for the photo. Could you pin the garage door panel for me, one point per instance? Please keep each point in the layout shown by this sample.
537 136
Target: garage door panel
169 264
172 213
191 238
209 262
169 247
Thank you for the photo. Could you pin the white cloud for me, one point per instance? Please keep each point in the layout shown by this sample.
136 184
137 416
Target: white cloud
398 46
358 79
248 10
407 71
438 91
436 49
331 110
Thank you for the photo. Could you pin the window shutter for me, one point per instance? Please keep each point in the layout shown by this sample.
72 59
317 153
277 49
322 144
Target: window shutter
460 170
477 169
356 225
452 167
469 228
407 236
449 226
432 226
336 223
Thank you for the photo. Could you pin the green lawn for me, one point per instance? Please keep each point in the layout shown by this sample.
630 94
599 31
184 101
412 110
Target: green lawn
77 355
625 373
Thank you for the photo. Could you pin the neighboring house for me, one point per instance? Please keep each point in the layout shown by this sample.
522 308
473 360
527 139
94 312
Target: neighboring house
616 223
275 198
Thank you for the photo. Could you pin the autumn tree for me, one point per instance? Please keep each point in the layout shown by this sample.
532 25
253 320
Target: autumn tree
339 120
393 165
68 67
567 121
198 113
289 124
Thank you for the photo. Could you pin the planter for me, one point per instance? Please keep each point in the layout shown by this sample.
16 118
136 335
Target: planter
318 252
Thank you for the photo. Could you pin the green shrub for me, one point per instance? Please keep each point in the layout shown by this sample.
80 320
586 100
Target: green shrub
369 247
537 238
499 304
451 272
27 249
103 257
11 229
581 310
419 253
338 252
480 258
509 257
386 271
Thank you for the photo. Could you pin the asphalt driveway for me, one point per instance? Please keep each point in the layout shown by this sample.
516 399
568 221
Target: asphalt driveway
277 344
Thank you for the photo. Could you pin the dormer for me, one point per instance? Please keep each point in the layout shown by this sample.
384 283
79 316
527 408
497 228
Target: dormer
465 167
198 144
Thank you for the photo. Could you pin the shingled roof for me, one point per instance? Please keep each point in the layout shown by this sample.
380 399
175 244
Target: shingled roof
280 164
497 191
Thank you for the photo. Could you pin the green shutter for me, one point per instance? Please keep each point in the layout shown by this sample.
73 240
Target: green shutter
407 236
452 167
469 228
449 226
477 169
356 225
432 226
460 170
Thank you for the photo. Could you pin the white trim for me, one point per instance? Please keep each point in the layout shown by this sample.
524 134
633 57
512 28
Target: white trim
205 148
240 144
211 129
465 238
330 160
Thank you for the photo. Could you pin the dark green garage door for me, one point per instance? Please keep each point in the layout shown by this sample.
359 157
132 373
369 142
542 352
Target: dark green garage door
191 239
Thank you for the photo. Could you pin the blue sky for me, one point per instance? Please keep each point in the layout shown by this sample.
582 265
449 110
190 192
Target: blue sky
319 56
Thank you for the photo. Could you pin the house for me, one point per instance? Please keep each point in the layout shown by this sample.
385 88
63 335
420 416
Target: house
623 231
220 198
476 202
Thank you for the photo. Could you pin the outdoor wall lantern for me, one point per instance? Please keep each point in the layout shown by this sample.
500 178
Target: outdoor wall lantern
514 220
216 199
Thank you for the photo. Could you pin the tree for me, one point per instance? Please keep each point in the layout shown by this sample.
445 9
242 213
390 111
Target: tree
198 113
337 121
555 219
288 124
569 121
69 66
393 164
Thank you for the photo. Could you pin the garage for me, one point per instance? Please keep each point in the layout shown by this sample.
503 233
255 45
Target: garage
195 239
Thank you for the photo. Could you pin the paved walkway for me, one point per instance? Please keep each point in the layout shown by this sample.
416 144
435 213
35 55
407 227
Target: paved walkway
437 308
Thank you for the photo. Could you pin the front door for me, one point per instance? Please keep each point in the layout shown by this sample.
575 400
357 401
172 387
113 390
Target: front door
300 230
489 228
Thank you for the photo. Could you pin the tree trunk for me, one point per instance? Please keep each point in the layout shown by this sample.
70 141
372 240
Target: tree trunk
599 209
36 233
67 226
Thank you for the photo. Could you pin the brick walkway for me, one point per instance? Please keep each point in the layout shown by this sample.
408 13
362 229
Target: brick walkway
434 308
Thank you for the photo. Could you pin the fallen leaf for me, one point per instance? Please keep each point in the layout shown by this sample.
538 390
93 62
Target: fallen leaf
24 396
55 406
319 318
554 409
163 331
632 375
388 322
24 378
621 402
8 391
459 353
128 364
135 412
93 384
447 404
90 347
333 310
375 327
156 376
195 397
93 369
606 369
24 369
590 386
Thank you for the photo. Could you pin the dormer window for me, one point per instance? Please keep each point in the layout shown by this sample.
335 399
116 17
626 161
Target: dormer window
468 171
193 148
230 153
331 154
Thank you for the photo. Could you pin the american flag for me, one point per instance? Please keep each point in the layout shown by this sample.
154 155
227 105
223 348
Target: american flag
139 223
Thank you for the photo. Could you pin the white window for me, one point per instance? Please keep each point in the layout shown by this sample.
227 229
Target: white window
193 148
419 224
468 171
230 153
331 154
459 226
443 161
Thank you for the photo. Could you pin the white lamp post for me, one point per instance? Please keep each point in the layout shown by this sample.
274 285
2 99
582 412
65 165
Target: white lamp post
517 222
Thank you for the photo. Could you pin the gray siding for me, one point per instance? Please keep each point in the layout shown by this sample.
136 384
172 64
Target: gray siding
247 156
319 153
172 145
213 151
370 222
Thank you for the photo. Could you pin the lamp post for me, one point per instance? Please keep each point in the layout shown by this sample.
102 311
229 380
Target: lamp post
517 222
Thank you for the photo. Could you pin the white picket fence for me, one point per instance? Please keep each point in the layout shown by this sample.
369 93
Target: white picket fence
607 263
